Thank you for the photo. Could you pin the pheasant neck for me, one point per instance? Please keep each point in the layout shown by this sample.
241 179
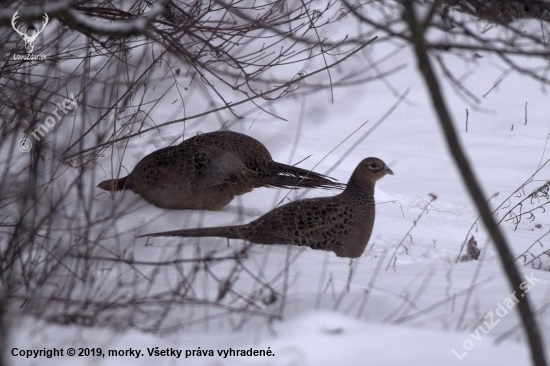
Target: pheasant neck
362 187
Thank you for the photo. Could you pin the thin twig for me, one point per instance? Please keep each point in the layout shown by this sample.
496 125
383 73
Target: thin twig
393 257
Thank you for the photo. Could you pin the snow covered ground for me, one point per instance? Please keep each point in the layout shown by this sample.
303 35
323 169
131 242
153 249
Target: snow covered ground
311 338
341 313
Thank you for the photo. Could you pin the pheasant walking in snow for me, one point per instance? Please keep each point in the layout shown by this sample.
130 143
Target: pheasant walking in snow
342 224
207 171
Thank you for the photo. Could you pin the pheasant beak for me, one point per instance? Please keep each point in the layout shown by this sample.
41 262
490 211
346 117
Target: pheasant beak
388 170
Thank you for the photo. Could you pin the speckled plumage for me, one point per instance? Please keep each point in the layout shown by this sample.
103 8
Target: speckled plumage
342 224
255 156
207 171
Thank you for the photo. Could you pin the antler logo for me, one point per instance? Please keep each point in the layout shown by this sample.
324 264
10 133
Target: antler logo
29 40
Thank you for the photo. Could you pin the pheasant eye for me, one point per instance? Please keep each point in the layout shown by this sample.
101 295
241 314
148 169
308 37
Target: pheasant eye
373 166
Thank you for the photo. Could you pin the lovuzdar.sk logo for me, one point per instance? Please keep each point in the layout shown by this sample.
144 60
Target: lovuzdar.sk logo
29 40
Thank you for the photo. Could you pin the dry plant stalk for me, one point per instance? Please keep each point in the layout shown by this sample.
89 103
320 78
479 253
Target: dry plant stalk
68 257
393 257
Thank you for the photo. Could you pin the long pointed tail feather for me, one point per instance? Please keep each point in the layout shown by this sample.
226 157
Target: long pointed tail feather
291 181
276 167
113 184
230 232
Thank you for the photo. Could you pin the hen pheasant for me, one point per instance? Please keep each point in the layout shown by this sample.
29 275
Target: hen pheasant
207 171
257 158
342 224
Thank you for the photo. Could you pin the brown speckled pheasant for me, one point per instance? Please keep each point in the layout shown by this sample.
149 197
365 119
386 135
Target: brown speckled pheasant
207 171
342 224
254 155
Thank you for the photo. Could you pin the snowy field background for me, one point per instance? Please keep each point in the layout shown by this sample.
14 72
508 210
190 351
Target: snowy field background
415 312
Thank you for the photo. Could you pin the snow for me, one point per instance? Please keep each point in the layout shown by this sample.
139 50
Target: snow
415 313
312 338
